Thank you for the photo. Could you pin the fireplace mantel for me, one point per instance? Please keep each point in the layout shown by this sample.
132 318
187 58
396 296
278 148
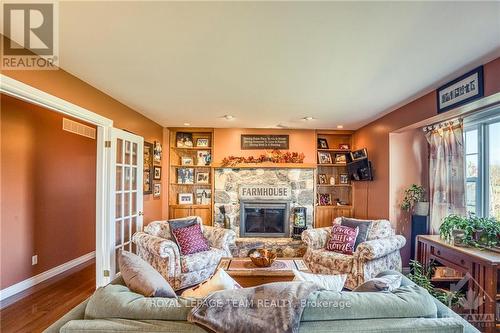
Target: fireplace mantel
267 165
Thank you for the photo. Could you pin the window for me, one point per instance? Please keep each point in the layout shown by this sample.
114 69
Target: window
482 164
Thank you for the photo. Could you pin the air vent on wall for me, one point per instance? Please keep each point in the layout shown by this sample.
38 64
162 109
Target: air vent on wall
77 128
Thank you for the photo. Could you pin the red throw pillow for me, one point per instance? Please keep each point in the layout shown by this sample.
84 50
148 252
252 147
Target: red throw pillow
190 239
342 239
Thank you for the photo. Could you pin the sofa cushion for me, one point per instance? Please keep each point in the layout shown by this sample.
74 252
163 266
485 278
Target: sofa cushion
342 239
219 281
384 283
380 229
404 302
141 278
175 224
190 239
325 281
198 261
162 228
117 301
363 226
338 262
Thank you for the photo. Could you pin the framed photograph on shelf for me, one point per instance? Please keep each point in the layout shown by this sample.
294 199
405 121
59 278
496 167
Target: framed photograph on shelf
340 159
157 173
203 196
344 178
157 190
185 198
202 177
185 176
187 160
148 169
203 158
202 142
322 179
324 199
359 154
322 143
184 140
344 146
324 157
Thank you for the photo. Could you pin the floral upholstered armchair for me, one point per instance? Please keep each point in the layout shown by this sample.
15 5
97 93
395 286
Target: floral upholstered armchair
378 253
156 246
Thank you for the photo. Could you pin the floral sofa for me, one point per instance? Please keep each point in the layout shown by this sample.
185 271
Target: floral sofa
379 253
155 245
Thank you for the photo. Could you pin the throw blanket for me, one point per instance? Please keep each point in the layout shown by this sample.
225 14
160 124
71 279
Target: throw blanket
271 308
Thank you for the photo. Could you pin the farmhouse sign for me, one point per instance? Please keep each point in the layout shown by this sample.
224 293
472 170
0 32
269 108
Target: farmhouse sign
461 91
257 141
265 192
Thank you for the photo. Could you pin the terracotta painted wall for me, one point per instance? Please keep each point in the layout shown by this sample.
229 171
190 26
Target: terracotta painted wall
74 90
227 142
68 87
48 191
373 199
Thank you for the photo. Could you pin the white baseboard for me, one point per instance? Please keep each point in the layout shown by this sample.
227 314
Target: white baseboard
32 281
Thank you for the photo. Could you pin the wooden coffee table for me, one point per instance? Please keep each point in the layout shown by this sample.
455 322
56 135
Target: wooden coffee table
243 271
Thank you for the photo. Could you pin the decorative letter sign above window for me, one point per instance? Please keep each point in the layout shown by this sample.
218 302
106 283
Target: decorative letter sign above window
265 192
257 141
460 91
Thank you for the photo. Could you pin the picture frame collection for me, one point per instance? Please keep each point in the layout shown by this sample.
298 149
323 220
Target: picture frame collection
332 178
194 168
152 169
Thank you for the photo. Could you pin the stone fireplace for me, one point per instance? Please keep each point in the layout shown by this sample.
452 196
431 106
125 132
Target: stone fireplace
259 201
264 218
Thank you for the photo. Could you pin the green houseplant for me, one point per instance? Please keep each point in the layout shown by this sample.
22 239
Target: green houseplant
473 231
422 277
413 200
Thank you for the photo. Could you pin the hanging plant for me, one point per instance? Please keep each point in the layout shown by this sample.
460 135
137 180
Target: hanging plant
415 193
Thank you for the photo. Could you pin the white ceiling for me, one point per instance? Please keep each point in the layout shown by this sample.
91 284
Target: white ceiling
270 63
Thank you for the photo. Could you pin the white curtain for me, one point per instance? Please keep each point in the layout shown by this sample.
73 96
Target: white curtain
446 172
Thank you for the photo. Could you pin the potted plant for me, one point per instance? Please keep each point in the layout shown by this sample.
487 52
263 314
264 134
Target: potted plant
457 229
413 200
471 231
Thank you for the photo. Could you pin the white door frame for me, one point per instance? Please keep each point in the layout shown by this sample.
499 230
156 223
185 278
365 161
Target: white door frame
33 95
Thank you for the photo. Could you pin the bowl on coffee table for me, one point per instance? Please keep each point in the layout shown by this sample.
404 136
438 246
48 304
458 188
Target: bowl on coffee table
262 257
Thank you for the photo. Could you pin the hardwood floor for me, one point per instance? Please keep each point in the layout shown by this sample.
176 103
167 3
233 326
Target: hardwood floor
37 308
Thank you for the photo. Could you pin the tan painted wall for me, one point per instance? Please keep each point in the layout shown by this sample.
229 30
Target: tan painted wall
227 142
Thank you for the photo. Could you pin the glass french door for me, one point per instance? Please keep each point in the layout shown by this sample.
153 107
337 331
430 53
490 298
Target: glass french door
127 202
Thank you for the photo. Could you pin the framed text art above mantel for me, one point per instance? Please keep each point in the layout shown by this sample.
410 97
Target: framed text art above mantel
462 90
265 142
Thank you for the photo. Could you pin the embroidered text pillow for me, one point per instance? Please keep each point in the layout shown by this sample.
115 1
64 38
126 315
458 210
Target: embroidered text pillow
342 239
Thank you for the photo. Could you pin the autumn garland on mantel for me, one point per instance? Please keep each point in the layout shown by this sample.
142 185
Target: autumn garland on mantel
275 156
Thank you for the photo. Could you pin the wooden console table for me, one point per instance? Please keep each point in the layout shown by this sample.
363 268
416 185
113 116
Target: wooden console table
482 265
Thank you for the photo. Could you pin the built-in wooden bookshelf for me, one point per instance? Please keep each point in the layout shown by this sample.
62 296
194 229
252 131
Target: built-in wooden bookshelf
183 181
332 179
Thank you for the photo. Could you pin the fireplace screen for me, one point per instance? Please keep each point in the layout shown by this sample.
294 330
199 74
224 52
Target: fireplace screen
265 219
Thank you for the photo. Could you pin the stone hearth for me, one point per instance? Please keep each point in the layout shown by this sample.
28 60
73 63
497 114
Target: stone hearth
228 181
